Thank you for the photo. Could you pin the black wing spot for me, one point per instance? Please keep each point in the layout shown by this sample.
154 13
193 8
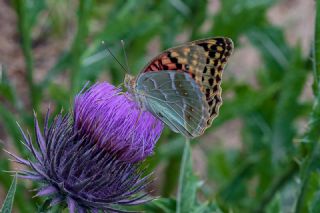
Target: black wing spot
179 66
212 54
213 48
160 114
229 47
208 93
205 46
218 78
211 81
173 60
220 41
217 99
215 88
213 112
212 71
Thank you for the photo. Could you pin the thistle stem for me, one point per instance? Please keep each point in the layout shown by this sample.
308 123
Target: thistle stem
185 157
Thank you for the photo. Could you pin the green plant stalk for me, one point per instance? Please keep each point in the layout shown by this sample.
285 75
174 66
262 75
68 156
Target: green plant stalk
78 45
170 179
24 29
185 157
312 136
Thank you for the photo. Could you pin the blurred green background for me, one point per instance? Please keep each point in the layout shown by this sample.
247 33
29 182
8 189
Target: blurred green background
258 156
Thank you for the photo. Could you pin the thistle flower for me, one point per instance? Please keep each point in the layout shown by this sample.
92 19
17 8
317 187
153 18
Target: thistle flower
90 160
119 124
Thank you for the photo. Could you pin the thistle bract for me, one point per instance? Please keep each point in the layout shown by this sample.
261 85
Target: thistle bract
90 160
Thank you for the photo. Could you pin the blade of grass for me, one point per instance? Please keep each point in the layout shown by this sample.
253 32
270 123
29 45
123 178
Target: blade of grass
8 202
316 51
9 122
78 45
24 29
312 135
61 64
8 91
285 114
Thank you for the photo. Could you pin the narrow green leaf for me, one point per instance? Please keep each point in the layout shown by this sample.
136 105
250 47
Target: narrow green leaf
186 197
207 208
315 205
8 202
312 136
78 45
8 120
316 51
7 90
166 205
25 28
251 13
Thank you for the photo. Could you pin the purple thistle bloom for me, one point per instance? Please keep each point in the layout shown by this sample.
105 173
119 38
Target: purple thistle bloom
119 124
92 161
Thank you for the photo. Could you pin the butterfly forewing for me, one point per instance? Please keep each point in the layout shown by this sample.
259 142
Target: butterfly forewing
203 61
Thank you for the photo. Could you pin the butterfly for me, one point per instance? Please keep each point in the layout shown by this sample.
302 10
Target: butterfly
181 86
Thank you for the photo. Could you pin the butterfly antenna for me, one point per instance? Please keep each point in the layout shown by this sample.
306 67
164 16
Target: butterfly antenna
125 55
107 48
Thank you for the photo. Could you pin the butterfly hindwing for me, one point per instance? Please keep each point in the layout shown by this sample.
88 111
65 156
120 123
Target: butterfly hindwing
204 61
176 99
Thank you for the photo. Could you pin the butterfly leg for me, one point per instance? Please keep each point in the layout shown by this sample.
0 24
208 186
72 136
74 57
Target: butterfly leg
119 87
138 118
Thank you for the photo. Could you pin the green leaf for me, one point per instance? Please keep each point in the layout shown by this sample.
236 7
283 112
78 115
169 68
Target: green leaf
8 202
250 12
166 205
207 207
8 120
7 90
273 48
315 205
186 197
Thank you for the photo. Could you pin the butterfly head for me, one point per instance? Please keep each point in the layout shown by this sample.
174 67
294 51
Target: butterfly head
130 83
